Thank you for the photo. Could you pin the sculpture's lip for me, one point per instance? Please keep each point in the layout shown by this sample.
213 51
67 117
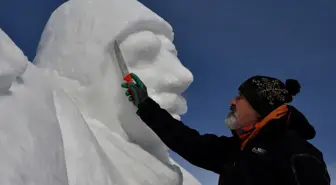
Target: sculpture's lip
176 116
178 106
174 103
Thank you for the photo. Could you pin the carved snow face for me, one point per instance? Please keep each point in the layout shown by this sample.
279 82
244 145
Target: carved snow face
81 52
154 59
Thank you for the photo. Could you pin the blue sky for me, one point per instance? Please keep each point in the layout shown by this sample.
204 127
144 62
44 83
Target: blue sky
223 42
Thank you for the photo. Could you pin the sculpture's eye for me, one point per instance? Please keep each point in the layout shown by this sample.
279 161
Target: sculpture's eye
167 44
141 48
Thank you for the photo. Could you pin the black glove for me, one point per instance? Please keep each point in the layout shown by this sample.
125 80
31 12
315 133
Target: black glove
137 92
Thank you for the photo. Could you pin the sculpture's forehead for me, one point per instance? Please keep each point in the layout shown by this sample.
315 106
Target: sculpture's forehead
81 31
115 19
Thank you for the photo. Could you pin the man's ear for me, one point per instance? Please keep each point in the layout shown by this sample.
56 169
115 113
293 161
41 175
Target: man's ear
256 114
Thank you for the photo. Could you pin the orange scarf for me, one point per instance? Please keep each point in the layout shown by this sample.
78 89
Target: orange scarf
276 114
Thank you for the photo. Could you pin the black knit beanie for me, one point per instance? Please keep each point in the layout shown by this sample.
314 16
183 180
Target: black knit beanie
265 94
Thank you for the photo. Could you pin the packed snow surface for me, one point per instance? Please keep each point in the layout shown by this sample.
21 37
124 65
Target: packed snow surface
65 119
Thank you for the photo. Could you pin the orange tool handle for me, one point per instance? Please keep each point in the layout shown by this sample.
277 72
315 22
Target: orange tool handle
128 78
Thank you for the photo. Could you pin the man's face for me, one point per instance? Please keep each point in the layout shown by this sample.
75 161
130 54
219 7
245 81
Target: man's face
241 114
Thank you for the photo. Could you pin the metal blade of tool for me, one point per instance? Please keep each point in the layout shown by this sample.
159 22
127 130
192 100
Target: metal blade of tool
121 62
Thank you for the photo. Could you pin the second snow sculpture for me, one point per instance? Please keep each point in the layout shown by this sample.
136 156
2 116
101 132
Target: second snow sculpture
30 139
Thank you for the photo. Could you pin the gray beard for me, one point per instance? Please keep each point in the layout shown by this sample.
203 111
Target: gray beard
231 121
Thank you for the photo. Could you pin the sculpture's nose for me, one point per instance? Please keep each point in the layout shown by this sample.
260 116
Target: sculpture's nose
177 81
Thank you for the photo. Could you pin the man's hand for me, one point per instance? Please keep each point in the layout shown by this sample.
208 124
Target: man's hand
136 92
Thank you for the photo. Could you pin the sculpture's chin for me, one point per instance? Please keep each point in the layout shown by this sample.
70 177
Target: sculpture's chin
175 104
176 116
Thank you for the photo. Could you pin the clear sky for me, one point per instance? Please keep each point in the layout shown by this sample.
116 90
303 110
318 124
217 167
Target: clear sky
223 42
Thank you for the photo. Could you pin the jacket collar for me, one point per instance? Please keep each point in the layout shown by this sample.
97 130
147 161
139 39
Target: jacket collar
284 119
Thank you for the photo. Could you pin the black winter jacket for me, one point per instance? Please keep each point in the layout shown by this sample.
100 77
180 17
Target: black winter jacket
278 155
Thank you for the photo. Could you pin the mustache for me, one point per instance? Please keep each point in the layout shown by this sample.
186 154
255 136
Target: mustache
233 111
233 108
232 114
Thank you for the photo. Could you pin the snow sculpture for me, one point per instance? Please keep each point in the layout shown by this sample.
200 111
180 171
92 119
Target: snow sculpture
12 63
92 131
77 43
30 139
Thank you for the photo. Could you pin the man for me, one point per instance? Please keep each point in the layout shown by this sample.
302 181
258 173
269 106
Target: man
269 143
